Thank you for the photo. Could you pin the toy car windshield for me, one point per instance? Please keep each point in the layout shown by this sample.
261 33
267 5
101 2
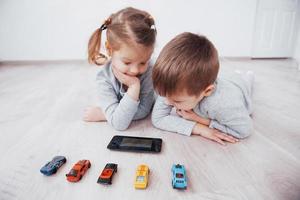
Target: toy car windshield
140 178
178 175
73 172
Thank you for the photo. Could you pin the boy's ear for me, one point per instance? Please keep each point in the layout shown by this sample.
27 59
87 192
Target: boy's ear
108 48
209 90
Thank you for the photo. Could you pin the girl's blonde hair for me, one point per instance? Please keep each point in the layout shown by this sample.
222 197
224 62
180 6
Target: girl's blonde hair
126 26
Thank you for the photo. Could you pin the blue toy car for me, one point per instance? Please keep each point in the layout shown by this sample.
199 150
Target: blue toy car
52 166
179 180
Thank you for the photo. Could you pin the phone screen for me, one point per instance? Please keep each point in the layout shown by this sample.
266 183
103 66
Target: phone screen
130 142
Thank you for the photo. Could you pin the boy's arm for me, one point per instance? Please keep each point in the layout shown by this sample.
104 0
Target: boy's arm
234 121
119 114
162 119
191 115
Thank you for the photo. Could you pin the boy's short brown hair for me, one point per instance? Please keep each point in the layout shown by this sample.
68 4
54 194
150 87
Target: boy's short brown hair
188 62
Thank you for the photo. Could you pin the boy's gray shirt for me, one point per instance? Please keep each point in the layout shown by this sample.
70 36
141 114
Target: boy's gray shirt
119 108
228 107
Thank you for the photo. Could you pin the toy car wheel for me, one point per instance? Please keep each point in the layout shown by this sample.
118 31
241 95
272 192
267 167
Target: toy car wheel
80 177
89 165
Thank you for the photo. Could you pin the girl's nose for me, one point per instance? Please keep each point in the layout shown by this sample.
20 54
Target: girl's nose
134 70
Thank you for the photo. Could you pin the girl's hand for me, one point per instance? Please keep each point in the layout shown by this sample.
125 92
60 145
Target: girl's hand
132 82
126 79
93 114
213 134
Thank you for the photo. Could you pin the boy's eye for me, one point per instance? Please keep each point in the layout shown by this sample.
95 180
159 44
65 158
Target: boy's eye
127 63
143 63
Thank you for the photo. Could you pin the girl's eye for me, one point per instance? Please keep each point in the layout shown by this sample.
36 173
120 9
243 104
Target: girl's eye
127 63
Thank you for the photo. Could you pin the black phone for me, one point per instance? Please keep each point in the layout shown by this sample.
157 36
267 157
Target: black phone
136 144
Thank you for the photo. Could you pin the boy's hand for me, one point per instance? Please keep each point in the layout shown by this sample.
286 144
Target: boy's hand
187 114
126 79
213 134
191 115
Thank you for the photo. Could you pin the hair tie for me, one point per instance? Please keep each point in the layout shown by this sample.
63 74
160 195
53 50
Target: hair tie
152 27
103 27
105 24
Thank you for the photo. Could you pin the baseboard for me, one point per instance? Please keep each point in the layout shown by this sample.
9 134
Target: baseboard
42 62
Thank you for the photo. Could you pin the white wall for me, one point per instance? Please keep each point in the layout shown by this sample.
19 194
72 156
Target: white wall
59 29
297 45
297 49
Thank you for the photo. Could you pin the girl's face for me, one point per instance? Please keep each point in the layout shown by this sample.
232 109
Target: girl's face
132 60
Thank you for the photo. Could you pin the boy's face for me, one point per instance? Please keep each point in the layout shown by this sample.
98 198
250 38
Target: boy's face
184 101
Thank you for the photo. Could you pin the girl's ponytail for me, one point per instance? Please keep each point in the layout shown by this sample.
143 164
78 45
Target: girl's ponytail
95 44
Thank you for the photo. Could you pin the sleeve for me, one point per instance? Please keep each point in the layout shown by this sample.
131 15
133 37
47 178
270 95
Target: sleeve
162 119
234 121
146 96
119 114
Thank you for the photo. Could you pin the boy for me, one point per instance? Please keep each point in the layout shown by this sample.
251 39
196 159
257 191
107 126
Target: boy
185 77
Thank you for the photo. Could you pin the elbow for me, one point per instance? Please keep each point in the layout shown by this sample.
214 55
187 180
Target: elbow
119 126
141 115
246 131
155 121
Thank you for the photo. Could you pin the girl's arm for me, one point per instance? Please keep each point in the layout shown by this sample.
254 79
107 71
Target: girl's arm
146 99
119 114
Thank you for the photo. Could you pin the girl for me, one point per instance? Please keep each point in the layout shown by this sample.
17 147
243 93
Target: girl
125 83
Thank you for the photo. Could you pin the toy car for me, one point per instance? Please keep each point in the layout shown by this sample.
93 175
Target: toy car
179 180
52 166
141 177
107 173
78 170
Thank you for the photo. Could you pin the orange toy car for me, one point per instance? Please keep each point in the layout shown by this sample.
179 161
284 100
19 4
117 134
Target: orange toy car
78 170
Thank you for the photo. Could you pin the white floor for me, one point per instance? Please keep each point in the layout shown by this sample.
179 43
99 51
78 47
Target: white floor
41 107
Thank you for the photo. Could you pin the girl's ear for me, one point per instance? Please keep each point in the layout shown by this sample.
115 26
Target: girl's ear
209 90
108 48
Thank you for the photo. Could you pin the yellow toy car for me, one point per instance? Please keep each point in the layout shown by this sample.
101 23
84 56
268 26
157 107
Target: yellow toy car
141 177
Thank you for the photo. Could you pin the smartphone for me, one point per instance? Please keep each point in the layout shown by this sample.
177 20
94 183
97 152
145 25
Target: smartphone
135 144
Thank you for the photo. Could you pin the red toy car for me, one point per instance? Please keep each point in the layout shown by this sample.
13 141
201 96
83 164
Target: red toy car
78 170
107 173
